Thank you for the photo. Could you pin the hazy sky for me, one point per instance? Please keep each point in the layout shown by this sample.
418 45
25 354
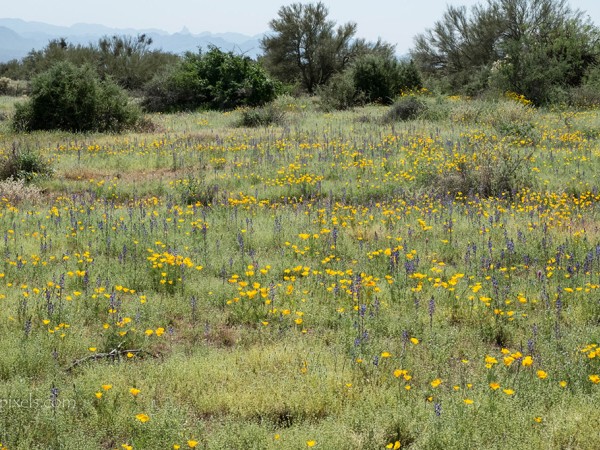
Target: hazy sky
395 21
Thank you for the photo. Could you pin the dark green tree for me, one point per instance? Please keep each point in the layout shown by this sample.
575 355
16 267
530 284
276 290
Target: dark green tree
306 47
212 80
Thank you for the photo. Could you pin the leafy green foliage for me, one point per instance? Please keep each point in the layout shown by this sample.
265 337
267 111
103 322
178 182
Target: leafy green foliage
75 99
24 165
340 93
533 47
373 78
213 80
381 79
128 60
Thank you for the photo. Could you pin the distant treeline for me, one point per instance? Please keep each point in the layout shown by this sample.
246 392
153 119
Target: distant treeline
541 49
128 60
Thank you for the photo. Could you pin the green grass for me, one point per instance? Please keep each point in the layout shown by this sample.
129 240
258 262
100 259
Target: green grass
269 287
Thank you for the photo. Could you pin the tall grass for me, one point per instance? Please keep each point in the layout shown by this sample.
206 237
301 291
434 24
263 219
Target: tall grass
326 282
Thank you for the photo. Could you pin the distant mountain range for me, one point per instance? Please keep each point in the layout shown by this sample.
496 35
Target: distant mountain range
18 37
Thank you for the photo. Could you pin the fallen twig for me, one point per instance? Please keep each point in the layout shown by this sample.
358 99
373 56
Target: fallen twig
115 353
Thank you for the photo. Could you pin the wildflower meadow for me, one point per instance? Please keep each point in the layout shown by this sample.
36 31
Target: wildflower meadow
336 281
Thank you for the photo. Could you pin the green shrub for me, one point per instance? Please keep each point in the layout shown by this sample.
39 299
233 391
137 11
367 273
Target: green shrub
437 109
24 165
74 99
497 173
467 112
262 117
406 108
377 78
339 94
586 96
212 80
4 85
380 79
293 104
513 120
195 190
371 79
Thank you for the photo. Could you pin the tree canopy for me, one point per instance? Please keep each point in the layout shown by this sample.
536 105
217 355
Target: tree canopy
306 46
529 46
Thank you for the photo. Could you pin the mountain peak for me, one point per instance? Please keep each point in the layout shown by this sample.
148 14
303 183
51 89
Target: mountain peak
19 37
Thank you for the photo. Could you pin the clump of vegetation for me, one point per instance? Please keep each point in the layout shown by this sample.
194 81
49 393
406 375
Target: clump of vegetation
17 191
194 190
513 119
339 94
381 78
262 116
497 173
584 97
406 108
486 47
377 77
13 88
128 60
211 80
23 165
73 98
4 84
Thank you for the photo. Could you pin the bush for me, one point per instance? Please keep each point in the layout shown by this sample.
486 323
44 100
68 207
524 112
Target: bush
262 117
75 99
438 109
12 87
293 104
514 120
377 78
406 108
193 191
371 79
496 173
4 84
339 94
212 80
24 165
381 79
584 97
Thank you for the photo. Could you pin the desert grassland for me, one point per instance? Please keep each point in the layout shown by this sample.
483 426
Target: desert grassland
329 283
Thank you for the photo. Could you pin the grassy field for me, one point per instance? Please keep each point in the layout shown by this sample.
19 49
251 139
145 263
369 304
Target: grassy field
338 282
